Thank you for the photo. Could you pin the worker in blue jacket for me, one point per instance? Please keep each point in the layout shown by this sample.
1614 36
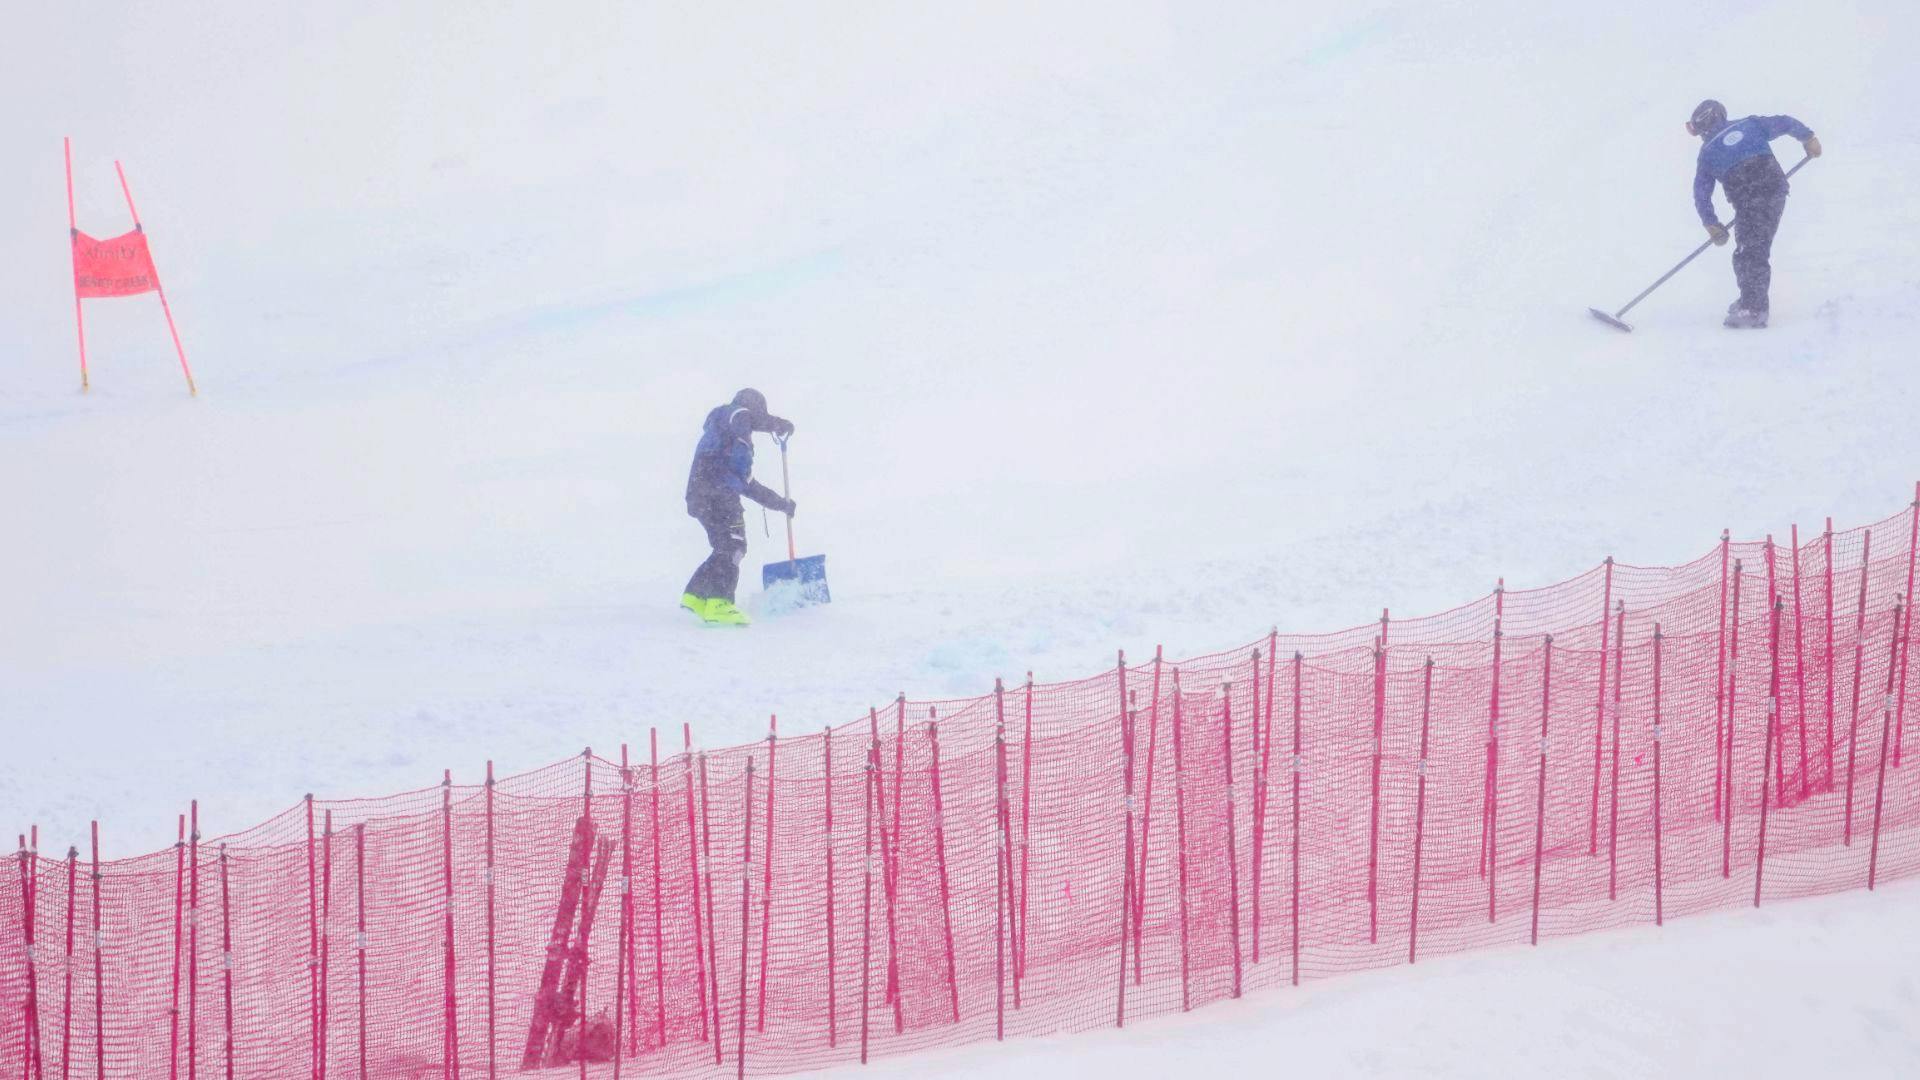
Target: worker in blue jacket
1738 155
722 472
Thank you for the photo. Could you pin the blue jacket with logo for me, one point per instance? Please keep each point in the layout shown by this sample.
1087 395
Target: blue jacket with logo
723 465
1734 144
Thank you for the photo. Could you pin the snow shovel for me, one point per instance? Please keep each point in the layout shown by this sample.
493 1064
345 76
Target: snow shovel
1617 319
809 575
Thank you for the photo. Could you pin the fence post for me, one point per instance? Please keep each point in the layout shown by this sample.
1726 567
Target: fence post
99 949
66 1007
659 939
1827 593
1146 816
1799 667
1490 805
1004 779
226 970
1001 879
1373 803
1773 598
940 854
1126 864
833 1003
452 1022
1260 788
746 911
1540 801
1233 851
713 928
626 1037
1859 648
30 1010
359 950
1253 800
894 989
766 885
313 946
1773 733
1613 798
1026 810
193 940
887 857
1659 867
866 895
487 875
1887 711
1180 827
1299 764
1420 811
1600 714
1733 684
179 896
693 883
1720 681
326 936
1906 631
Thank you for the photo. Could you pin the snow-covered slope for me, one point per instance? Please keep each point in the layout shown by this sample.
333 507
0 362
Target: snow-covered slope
1104 325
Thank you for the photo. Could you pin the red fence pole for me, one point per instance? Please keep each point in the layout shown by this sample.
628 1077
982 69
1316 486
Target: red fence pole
359 949
1859 648
866 897
1026 848
226 967
1005 780
1827 592
625 1037
1146 817
887 872
693 883
1233 851
179 896
940 853
746 911
1773 733
1906 631
193 939
713 928
833 1004
73 230
99 950
66 1007
1540 803
488 874
326 935
1773 597
1887 711
1733 684
894 989
313 946
1126 865
1260 784
30 1012
1720 682
1373 803
766 888
1600 714
1420 812
1299 764
1253 800
659 938
1799 665
1002 880
1613 798
1180 826
1659 867
452 1021
1490 805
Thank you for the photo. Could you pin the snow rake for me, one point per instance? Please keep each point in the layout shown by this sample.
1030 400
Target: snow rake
1617 320
805 580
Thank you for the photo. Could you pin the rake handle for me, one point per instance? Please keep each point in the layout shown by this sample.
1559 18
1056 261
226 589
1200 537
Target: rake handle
1696 254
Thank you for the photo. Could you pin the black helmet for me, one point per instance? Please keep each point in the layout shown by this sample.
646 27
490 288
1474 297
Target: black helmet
751 400
1708 117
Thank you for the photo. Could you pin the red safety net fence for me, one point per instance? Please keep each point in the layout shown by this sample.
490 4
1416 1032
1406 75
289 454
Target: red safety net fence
1629 746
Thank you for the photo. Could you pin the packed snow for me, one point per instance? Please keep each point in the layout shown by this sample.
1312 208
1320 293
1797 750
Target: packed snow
1104 326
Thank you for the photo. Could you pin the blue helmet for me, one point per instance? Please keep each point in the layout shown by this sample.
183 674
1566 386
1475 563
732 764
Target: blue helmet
1708 117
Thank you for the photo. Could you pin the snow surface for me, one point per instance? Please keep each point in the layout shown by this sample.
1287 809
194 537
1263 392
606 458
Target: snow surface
1104 325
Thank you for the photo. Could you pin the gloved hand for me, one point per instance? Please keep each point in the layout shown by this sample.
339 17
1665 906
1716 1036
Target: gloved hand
784 506
780 426
1812 145
1718 233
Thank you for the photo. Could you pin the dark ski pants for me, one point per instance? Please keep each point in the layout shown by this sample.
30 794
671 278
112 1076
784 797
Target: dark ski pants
719 576
1756 219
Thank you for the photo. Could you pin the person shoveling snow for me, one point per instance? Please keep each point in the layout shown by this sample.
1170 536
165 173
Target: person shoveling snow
1738 156
722 472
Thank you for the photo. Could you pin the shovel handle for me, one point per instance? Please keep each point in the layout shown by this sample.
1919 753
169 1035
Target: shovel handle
786 492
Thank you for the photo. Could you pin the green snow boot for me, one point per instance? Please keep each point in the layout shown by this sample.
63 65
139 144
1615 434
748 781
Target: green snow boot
694 604
722 613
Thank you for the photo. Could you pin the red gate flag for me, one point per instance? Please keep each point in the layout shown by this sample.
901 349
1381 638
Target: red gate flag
119 266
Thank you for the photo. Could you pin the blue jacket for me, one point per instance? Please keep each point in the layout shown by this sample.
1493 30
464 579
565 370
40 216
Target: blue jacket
1737 142
723 465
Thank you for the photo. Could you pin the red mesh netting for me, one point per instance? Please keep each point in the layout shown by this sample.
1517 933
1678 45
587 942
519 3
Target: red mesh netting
1632 745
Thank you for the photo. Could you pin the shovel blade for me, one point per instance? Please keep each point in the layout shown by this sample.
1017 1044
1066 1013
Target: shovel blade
1609 319
804 579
